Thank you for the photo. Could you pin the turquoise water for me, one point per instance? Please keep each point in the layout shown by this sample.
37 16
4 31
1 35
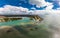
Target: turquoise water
16 22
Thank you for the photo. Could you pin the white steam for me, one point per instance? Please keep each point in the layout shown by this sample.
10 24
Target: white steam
52 21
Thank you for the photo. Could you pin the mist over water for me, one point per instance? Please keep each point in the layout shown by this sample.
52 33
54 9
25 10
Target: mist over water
52 21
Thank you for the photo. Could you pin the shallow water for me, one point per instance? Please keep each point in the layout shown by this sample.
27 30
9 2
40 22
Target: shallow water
16 22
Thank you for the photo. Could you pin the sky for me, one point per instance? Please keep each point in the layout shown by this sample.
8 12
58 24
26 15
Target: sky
26 4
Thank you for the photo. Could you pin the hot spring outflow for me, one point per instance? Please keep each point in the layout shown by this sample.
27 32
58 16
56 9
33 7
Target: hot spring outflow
23 26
